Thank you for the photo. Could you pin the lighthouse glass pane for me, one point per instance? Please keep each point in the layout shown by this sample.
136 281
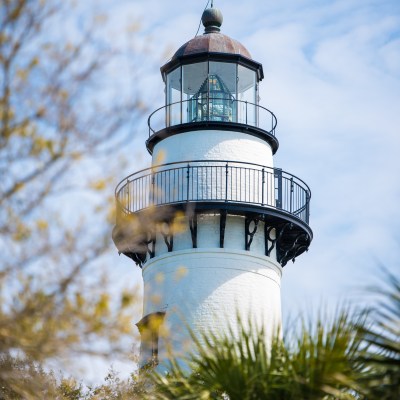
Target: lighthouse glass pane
194 90
174 109
222 92
247 109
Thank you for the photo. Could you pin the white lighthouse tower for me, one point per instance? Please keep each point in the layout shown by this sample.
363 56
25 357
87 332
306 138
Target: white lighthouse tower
212 222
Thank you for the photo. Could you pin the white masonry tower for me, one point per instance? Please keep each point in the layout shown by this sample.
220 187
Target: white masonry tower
212 222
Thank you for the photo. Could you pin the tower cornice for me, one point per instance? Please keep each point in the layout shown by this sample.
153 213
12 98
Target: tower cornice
157 136
195 57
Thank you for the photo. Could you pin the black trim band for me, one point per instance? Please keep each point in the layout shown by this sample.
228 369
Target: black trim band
210 125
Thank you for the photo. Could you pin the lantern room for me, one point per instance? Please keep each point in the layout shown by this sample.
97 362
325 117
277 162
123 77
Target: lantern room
212 82
212 91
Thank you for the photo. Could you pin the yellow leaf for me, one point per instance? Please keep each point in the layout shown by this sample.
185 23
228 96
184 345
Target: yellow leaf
159 157
34 62
80 301
22 232
42 224
19 186
99 185
180 273
160 277
22 74
126 299
179 223
102 305
63 94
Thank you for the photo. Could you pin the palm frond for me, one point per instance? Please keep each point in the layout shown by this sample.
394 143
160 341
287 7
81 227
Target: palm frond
382 334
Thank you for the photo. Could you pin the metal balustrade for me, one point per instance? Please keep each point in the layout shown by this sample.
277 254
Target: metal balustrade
212 110
214 182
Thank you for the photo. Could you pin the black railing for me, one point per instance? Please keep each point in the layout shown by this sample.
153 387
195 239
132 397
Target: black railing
212 110
214 181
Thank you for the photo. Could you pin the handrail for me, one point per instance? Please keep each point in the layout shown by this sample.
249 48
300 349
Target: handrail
214 181
154 167
243 112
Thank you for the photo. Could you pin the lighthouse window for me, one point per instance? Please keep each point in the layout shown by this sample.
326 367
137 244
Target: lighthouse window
246 84
222 92
174 97
226 72
247 109
149 329
193 77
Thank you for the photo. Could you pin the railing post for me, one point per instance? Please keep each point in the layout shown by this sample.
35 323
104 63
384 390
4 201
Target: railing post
257 113
128 200
152 188
226 182
291 194
187 182
118 210
262 187
246 112
208 107
278 190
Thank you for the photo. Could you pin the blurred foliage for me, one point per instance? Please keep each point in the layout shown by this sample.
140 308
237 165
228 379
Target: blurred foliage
60 120
30 381
383 337
348 356
355 355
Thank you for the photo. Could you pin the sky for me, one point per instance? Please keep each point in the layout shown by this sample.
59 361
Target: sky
332 78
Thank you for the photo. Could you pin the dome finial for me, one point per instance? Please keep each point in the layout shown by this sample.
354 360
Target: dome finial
212 19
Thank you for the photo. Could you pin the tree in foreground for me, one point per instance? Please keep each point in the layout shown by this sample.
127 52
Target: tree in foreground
319 362
353 356
59 121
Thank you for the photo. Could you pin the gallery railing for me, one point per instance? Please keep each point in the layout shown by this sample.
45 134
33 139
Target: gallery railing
214 109
214 182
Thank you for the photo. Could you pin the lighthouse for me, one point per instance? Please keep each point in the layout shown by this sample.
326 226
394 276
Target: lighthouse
212 222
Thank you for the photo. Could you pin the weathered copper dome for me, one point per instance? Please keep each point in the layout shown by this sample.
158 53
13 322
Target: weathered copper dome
213 42
212 45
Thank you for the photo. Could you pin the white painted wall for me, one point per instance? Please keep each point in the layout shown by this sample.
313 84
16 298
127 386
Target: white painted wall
213 145
231 146
205 289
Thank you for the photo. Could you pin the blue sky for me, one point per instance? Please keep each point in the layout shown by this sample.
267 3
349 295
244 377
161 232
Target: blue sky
332 77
